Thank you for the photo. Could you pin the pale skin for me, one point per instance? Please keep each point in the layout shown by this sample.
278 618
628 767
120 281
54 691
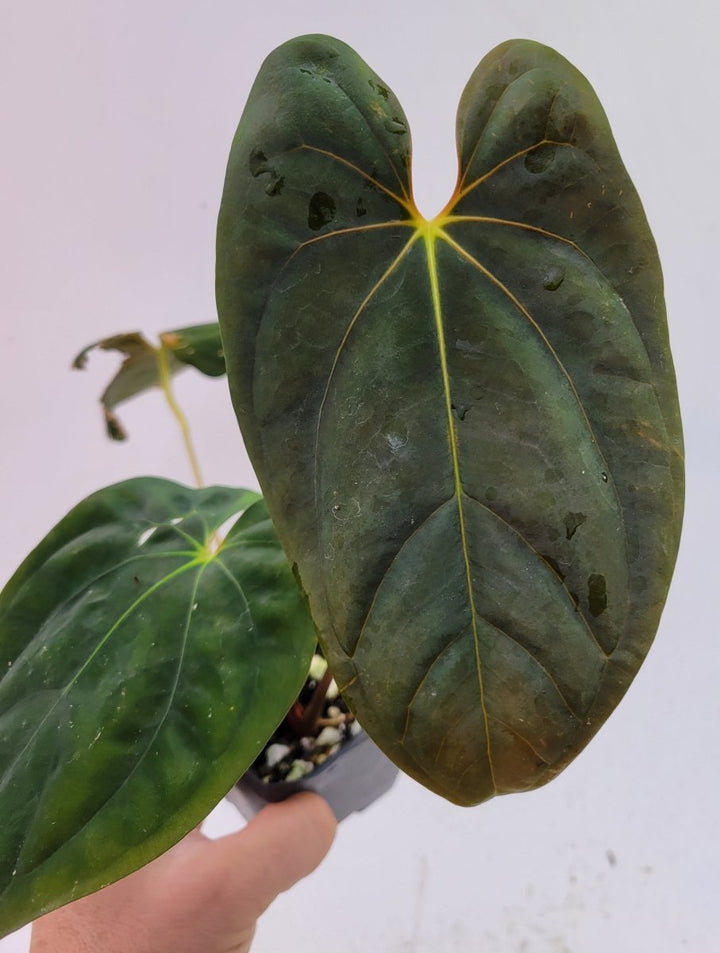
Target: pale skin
202 895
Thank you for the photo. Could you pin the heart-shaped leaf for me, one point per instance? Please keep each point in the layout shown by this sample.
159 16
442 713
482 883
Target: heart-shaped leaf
466 428
144 664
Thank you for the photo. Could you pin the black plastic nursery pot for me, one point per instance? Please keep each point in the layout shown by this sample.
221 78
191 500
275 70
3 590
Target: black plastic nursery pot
350 780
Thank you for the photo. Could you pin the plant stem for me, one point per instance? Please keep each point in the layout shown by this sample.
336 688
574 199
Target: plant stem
304 721
166 384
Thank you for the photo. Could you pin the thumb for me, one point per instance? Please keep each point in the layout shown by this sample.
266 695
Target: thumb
281 845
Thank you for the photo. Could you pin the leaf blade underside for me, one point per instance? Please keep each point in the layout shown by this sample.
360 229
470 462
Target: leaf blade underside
466 429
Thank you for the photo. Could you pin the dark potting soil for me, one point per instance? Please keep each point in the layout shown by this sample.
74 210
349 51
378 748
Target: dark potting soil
287 757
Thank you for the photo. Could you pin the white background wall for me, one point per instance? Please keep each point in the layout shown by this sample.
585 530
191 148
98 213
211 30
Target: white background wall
115 122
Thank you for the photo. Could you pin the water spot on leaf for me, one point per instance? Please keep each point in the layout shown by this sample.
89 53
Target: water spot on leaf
604 476
346 511
597 594
321 210
396 441
320 72
257 162
553 278
258 165
395 126
572 522
379 88
460 410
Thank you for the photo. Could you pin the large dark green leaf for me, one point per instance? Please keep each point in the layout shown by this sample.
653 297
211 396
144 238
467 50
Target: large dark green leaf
466 429
144 664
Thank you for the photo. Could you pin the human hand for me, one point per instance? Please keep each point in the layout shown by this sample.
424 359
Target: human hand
202 895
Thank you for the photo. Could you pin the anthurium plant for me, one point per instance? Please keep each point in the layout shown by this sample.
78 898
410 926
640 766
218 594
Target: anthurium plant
467 435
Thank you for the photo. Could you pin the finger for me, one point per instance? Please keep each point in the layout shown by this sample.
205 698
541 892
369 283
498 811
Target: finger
283 844
193 841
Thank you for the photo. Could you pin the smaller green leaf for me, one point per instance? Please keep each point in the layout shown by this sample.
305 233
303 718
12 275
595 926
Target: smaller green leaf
144 664
198 346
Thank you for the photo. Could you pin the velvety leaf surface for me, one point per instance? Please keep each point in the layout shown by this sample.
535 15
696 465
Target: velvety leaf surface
144 664
143 364
466 429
